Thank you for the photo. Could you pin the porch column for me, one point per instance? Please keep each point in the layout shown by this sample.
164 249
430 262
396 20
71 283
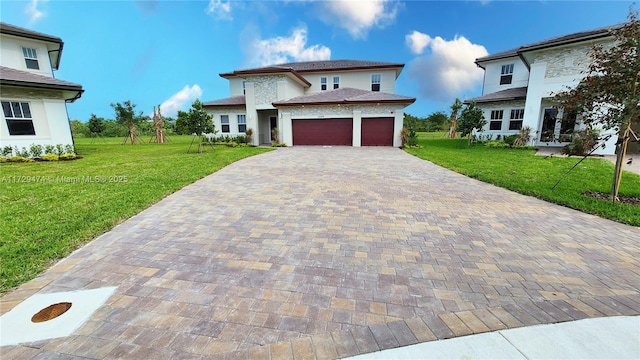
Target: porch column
285 126
357 128
252 114
398 124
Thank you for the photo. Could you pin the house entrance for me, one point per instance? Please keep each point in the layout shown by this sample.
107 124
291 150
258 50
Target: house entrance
273 124
557 126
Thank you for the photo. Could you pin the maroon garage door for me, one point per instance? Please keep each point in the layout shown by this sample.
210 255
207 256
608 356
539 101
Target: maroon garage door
322 131
377 131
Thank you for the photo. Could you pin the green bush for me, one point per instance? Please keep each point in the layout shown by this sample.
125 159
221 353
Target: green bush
496 144
510 139
35 150
583 142
50 157
67 156
232 144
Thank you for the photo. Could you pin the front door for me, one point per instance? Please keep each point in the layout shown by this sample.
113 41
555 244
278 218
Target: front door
273 121
549 120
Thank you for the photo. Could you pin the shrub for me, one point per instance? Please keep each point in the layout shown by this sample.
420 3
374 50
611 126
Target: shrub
7 151
67 156
278 144
68 149
232 144
49 149
510 139
59 149
249 136
35 150
3 159
50 157
240 139
23 152
524 136
15 158
496 144
584 141
404 136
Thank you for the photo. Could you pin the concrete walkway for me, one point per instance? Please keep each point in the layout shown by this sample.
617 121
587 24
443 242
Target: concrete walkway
333 252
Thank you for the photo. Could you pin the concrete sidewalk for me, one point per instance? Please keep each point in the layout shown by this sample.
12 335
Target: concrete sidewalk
601 338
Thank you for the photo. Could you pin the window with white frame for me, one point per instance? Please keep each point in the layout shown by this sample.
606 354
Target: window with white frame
242 123
515 122
506 74
323 83
375 82
496 120
224 122
30 58
18 117
336 82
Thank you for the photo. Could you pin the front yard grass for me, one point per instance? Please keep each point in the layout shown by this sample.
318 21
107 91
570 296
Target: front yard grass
524 172
50 209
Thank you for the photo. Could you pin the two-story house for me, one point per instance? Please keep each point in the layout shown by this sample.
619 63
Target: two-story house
33 101
332 102
519 85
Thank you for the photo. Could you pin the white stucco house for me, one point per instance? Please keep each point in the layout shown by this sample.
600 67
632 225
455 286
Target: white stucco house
331 102
33 100
519 85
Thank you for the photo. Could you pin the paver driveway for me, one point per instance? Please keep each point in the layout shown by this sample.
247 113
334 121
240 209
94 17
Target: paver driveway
329 252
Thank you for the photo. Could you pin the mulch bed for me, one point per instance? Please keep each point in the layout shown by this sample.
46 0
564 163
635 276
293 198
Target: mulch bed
623 199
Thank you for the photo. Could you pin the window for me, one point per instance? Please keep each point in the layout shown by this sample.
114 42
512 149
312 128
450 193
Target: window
30 58
516 119
336 82
375 82
224 121
496 120
323 83
242 123
244 84
18 117
506 74
567 125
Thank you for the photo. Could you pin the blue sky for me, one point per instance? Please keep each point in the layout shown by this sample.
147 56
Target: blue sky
171 52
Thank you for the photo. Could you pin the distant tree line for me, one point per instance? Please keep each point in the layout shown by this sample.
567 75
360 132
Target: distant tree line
437 121
111 128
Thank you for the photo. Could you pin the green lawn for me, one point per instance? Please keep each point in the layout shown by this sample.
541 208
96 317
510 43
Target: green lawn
50 209
523 172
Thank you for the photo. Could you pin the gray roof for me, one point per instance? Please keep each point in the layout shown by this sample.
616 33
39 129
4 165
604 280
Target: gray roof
13 77
227 102
555 41
55 51
519 93
346 96
316 66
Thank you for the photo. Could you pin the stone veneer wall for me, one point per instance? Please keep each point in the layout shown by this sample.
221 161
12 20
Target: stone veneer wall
266 88
566 61
340 110
23 93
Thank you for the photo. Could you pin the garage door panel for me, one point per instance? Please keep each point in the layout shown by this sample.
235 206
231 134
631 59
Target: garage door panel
377 131
322 131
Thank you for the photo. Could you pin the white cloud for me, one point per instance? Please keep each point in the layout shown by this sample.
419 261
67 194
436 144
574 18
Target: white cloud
219 9
179 100
448 70
359 16
33 12
417 41
284 49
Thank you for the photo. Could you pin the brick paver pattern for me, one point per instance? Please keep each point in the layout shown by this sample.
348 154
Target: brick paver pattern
314 252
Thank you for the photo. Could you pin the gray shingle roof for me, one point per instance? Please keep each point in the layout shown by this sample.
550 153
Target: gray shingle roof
227 102
22 32
558 40
316 66
346 96
14 77
519 93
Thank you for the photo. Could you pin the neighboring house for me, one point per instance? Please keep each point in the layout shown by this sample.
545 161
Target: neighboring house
519 85
332 102
33 101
